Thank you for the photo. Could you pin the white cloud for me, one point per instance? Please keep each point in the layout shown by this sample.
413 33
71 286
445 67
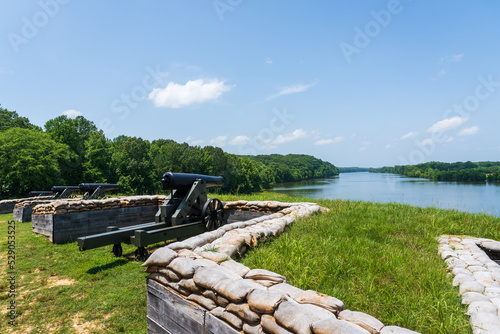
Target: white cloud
72 113
449 140
456 58
427 141
218 141
337 139
469 131
410 134
193 141
451 59
362 149
239 140
288 137
194 91
291 90
447 124
269 61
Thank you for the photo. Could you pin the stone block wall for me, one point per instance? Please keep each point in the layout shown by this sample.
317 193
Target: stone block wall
195 286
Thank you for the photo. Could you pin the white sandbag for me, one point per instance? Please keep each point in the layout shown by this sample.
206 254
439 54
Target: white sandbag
257 274
207 303
295 317
243 311
331 326
264 301
175 286
184 266
228 250
159 278
234 290
209 277
215 256
188 283
171 275
151 269
286 289
366 321
252 329
161 257
332 304
236 267
269 324
188 253
229 317
206 262
219 300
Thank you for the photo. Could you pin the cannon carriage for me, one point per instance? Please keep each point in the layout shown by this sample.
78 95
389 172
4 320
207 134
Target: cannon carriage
186 211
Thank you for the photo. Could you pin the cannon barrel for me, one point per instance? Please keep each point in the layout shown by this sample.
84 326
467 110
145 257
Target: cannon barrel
88 187
58 189
171 180
40 192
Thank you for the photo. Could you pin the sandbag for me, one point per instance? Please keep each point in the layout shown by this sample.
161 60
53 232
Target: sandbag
329 326
215 256
264 301
161 257
366 321
332 304
243 311
236 267
252 329
286 289
229 317
269 324
171 275
187 253
219 300
206 263
295 317
209 277
203 301
175 286
189 284
159 278
184 266
263 274
151 269
234 290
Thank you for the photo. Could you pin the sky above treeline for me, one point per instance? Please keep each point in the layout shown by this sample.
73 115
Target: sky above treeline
356 83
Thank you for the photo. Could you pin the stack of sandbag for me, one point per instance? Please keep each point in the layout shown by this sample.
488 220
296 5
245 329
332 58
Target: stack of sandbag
201 269
21 200
31 203
265 206
69 206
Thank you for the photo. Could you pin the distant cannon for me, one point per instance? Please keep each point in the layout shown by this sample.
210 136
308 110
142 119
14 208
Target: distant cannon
186 212
63 191
96 190
41 193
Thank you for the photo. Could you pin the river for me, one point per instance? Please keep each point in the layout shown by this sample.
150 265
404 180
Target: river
376 187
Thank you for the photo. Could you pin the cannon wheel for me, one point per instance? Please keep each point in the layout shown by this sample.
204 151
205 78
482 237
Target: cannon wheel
211 215
117 250
141 253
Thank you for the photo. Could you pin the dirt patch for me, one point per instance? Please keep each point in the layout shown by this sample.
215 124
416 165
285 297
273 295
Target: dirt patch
54 281
86 327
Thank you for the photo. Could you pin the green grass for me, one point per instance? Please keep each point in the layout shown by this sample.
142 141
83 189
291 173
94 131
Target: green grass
377 258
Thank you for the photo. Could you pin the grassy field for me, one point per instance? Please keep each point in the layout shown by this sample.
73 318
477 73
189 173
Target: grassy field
377 258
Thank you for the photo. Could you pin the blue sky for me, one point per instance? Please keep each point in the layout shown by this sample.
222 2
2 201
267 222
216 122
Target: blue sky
367 83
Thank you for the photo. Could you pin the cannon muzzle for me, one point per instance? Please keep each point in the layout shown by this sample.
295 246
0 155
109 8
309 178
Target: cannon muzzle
171 180
41 192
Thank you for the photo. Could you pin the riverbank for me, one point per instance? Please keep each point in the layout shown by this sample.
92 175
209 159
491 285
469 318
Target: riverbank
377 258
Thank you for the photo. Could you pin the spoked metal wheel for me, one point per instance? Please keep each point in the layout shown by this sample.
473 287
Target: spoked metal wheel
211 215
117 250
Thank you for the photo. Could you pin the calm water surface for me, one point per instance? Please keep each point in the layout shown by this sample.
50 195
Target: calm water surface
375 187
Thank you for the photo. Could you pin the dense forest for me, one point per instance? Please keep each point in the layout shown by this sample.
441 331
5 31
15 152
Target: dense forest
442 171
69 151
353 169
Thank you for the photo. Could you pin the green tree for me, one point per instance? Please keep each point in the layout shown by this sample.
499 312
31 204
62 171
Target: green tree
10 119
29 160
73 132
97 159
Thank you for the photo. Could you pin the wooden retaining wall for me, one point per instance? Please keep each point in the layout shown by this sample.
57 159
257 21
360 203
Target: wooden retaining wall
22 214
170 313
67 227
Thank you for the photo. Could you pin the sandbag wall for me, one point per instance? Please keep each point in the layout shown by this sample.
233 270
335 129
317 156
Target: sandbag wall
7 205
194 286
65 220
23 210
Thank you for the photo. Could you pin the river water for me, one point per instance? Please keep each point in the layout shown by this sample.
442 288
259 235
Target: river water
376 187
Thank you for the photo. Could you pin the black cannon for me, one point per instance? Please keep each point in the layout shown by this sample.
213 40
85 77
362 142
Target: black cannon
63 191
186 212
96 190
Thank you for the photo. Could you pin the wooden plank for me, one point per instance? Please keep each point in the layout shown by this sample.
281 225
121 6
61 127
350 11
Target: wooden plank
155 328
215 325
172 311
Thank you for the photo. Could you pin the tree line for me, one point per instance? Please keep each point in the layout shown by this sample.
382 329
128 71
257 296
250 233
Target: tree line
69 151
443 171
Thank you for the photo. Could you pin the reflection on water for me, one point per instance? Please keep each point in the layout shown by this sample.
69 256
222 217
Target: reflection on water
374 187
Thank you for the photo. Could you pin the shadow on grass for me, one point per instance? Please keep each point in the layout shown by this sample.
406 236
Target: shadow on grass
98 269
